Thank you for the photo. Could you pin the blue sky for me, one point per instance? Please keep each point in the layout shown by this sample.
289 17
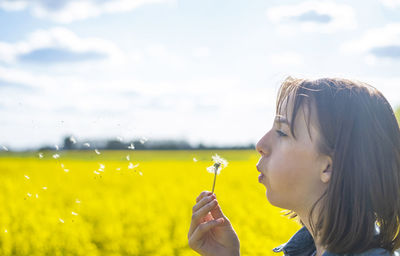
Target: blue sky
204 71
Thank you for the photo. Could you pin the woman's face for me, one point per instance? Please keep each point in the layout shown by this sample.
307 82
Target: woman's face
293 171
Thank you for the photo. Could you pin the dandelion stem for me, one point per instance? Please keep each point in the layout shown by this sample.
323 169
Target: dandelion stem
216 166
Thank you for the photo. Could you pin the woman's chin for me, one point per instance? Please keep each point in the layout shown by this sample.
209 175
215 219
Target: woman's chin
271 199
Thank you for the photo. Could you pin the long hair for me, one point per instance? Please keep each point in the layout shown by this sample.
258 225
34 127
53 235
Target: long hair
359 131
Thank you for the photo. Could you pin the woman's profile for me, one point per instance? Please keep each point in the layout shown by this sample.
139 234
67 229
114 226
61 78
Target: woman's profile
332 158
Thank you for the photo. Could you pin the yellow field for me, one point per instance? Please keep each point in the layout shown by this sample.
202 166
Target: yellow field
145 210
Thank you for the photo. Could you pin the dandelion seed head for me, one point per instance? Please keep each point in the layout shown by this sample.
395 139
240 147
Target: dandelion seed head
86 144
217 159
61 220
40 155
74 213
55 156
219 164
27 177
97 151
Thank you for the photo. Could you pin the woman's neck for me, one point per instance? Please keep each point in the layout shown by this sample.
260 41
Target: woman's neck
319 248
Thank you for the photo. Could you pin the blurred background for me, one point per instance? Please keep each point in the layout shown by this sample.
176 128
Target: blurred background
198 71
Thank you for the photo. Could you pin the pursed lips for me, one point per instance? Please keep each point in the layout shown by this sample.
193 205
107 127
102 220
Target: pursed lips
258 168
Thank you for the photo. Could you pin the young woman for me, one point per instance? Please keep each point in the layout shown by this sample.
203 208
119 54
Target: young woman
332 158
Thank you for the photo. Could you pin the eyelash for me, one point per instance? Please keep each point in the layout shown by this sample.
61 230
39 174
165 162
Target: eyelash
280 133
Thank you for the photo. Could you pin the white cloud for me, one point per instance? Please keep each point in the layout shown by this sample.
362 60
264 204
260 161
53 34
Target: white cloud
200 52
377 44
65 104
286 59
313 16
391 3
13 5
63 11
161 54
59 39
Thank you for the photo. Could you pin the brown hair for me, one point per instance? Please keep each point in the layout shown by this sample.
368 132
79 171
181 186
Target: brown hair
359 131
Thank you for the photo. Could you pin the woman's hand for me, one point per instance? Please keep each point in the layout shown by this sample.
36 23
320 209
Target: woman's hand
211 233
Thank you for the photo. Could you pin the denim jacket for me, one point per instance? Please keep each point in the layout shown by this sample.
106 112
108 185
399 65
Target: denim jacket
302 244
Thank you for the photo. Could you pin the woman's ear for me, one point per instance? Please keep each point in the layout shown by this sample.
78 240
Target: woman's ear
327 171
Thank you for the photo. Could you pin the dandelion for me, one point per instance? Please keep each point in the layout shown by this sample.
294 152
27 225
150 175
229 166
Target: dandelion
40 155
131 146
27 177
55 156
128 158
194 159
97 151
74 213
61 220
219 164
86 144
4 148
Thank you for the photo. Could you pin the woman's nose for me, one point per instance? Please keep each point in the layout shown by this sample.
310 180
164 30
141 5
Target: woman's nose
262 147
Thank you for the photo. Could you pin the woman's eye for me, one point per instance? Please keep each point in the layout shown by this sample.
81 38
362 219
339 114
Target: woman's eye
280 134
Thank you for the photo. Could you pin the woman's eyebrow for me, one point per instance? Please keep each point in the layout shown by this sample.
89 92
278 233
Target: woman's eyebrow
282 120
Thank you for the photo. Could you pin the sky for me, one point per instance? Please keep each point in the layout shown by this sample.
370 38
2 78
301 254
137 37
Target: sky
203 71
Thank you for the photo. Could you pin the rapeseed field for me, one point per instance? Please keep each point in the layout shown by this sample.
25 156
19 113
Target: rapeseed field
128 202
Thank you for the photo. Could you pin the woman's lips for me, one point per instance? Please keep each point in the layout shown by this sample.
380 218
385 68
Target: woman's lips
261 176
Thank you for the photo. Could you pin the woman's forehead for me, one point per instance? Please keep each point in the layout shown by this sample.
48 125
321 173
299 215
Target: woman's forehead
304 123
